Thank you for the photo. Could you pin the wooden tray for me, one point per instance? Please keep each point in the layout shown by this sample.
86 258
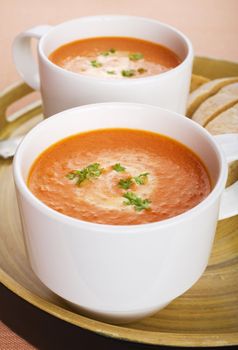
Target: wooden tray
206 315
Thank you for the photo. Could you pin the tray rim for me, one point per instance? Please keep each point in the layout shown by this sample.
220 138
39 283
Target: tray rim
175 339
122 332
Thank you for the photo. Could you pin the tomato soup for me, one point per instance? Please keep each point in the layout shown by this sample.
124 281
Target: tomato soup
115 57
119 177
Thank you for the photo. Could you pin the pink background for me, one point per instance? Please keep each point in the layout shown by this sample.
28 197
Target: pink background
212 26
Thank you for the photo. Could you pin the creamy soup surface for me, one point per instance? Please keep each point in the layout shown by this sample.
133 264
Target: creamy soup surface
119 177
115 57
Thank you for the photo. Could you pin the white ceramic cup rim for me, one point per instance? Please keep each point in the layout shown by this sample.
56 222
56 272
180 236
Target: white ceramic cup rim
112 80
22 186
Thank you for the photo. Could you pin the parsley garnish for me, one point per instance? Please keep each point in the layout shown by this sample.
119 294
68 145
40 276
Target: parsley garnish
125 184
138 203
117 167
107 53
91 171
141 179
128 73
111 72
135 56
141 70
94 170
96 64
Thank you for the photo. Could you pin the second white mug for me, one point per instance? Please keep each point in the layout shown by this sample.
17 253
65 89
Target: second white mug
62 89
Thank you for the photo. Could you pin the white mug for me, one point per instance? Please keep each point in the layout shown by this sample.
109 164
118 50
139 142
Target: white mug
123 273
62 89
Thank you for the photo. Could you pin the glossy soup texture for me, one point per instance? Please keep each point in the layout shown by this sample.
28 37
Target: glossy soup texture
119 177
115 57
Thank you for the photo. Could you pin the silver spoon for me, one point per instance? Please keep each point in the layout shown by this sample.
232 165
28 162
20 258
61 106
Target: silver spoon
8 147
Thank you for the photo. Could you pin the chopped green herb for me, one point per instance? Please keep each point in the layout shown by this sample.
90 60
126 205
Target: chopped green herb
135 56
91 171
141 70
96 64
105 53
108 52
71 176
125 184
141 179
128 73
117 167
138 203
111 72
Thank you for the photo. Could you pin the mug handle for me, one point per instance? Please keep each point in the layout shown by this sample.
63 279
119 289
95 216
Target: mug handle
23 58
229 199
